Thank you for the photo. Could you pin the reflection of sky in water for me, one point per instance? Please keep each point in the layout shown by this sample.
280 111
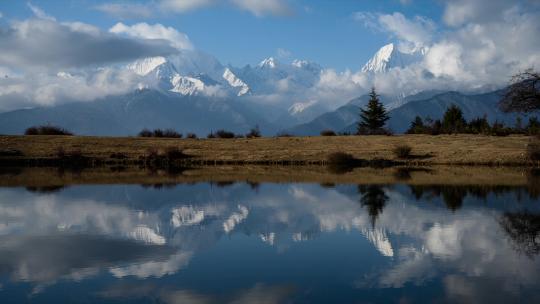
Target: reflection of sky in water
242 244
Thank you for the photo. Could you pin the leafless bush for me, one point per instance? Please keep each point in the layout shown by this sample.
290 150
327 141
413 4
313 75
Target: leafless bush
328 133
402 151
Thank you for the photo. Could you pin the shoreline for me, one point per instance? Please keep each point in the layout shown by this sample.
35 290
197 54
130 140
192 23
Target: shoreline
226 175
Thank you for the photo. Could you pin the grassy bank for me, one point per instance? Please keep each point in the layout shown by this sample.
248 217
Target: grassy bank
426 149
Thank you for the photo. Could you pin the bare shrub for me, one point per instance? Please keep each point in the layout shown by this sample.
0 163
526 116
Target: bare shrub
328 133
159 133
253 133
171 133
341 158
145 133
284 134
402 151
174 153
224 134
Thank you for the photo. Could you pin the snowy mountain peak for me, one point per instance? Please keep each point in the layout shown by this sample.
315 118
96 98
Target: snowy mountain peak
380 61
144 66
300 107
268 63
389 57
235 82
186 85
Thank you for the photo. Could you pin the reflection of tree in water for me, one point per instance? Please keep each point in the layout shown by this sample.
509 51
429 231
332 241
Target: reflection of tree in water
374 198
524 230
453 195
533 183
45 189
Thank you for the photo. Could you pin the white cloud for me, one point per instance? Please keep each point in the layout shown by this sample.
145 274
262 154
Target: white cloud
1 15
46 89
416 32
39 13
177 39
482 49
264 7
125 10
444 59
181 6
460 12
49 44
335 88
45 62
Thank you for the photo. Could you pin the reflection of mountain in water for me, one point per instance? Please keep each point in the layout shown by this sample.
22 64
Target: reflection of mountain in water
178 223
379 239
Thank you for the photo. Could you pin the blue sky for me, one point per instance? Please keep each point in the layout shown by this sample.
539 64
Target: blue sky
323 31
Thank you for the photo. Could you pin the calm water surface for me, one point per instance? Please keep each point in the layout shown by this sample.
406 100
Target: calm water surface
270 243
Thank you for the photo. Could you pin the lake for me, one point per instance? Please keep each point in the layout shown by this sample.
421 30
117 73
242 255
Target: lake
409 239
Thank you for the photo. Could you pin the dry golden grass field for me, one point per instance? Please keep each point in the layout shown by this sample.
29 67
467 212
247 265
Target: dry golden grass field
426 149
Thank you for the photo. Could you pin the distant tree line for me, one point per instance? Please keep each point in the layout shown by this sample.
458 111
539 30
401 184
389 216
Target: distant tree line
253 133
453 122
171 133
47 130
168 133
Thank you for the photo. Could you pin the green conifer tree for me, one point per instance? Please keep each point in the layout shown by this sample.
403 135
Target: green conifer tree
453 120
374 116
417 126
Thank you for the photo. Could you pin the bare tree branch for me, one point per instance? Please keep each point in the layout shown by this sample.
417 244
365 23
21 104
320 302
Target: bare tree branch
523 93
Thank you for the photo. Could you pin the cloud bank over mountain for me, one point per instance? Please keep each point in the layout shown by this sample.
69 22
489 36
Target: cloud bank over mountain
483 44
477 46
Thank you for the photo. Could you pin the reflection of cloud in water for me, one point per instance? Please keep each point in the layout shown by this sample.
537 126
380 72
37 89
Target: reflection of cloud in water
432 240
268 238
471 244
45 259
153 268
257 294
147 235
235 219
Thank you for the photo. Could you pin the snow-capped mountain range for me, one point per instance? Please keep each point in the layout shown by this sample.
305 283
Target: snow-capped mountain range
299 97
195 73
